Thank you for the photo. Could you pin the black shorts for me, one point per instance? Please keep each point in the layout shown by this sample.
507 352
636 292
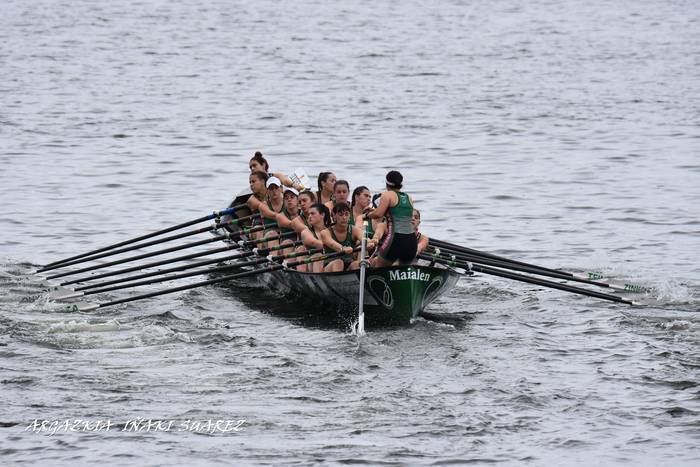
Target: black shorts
347 260
400 247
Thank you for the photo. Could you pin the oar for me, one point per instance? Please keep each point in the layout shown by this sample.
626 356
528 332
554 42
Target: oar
171 260
189 233
363 267
626 287
533 280
215 270
438 253
214 215
86 306
61 293
159 252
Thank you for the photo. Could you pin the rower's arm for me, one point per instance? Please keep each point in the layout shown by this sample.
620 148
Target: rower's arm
266 211
298 225
282 220
253 203
286 181
379 231
329 243
422 244
357 234
309 240
384 204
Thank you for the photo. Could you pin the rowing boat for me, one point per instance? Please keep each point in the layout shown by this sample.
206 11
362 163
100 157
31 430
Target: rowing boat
393 296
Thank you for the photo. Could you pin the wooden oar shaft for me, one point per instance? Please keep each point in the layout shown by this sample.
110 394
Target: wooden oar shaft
149 265
452 247
184 275
144 245
181 268
163 271
149 255
217 280
208 217
536 281
516 267
168 261
131 248
588 278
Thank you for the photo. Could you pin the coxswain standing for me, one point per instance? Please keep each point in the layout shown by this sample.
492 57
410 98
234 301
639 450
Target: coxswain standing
400 242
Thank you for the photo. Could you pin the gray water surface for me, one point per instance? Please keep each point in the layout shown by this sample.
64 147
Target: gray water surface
558 133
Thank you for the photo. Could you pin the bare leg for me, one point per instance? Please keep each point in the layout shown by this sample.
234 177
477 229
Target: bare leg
289 249
301 267
380 262
334 266
271 243
317 266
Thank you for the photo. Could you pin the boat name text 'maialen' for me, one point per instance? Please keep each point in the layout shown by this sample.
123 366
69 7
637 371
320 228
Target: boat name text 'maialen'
409 275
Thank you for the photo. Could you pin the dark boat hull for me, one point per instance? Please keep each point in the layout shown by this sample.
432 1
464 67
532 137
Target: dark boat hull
393 296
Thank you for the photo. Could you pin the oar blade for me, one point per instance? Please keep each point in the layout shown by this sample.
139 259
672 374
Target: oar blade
62 296
80 307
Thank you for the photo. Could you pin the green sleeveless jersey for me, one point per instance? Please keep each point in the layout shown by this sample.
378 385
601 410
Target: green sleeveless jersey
370 228
401 214
286 214
270 223
347 242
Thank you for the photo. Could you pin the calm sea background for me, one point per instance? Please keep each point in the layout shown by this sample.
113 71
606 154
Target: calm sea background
561 133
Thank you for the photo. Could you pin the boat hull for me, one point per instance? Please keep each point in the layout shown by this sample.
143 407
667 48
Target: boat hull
394 296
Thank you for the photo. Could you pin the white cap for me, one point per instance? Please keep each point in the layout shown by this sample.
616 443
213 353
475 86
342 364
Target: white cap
273 181
291 189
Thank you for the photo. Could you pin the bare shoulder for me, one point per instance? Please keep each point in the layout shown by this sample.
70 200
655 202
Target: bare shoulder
356 233
389 197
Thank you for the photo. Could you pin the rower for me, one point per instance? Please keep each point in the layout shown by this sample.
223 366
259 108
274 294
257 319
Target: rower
319 218
273 205
341 237
258 163
257 181
326 182
361 197
285 219
400 242
422 239
306 200
341 191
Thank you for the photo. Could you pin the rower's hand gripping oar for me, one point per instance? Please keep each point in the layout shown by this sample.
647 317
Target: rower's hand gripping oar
208 217
86 306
